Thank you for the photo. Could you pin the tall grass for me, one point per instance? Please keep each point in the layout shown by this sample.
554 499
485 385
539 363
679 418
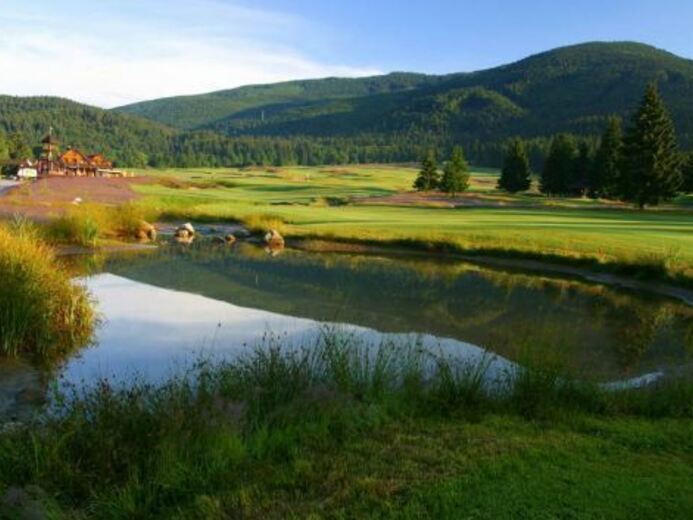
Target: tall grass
86 224
42 313
165 451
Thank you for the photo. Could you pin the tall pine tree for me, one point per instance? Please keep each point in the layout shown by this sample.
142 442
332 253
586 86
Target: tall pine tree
581 170
606 169
456 173
651 161
557 176
515 175
687 186
428 178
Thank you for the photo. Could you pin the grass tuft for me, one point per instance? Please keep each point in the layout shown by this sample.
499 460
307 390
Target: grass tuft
43 314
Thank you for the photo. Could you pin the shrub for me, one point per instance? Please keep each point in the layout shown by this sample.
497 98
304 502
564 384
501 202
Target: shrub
42 313
79 227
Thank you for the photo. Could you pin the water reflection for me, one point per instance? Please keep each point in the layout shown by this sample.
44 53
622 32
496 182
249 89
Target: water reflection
598 330
150 333
164 309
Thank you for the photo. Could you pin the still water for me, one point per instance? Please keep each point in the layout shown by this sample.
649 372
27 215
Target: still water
165 309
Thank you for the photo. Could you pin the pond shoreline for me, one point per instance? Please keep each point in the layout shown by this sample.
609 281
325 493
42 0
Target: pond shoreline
654 286
513 260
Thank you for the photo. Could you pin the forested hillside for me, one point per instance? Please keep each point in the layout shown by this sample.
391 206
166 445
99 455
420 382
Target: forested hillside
571 89
204 110
387 118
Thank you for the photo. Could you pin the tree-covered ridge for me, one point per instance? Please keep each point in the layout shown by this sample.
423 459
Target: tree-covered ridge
571 89
126 139
205 110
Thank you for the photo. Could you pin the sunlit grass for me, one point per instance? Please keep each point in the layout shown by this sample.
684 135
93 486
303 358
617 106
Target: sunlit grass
559 229
43 314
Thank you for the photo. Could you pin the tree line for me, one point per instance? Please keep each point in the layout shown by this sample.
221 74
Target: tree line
642 165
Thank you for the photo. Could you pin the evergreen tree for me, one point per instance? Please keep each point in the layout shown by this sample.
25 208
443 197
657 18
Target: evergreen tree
581 170
557 175
428 178
687 186
515 175
651 160
606 168
456 173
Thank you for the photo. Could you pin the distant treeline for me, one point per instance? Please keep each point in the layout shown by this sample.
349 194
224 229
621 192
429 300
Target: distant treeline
209 149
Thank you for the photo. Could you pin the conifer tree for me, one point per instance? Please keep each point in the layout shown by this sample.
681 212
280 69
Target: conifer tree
428 178
455 174
651 161
582 167
687 186
515 175
606 169
558 172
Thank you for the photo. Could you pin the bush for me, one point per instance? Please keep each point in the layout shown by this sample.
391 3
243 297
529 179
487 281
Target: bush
42 313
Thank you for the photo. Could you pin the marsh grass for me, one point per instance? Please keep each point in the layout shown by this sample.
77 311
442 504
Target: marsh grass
85 225
43 315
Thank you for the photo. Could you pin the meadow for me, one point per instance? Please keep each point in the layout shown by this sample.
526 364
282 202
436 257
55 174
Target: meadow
370 204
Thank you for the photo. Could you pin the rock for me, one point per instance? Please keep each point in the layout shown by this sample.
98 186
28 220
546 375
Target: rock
146 231
183 239
184 234
274 239
189 227
230 238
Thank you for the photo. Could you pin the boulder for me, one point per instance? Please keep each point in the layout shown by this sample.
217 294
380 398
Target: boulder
185 238
145 231
189 227
274 241
185 232
230 238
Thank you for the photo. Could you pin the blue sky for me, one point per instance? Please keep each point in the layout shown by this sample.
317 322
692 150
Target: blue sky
112 52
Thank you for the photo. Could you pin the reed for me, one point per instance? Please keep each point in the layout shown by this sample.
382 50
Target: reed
43 314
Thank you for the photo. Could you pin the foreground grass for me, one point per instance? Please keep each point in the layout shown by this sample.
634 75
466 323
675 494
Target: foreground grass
338 430
43 315
328 204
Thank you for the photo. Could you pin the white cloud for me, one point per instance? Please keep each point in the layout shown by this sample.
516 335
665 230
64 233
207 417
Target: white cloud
120 52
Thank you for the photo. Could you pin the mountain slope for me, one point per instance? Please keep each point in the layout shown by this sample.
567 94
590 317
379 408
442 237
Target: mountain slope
125 138
190 112
567 89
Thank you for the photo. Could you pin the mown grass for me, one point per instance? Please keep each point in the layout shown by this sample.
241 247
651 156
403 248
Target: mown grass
341 430
43 314
649 243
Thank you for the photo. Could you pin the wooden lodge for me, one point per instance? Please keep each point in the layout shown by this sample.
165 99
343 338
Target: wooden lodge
73 163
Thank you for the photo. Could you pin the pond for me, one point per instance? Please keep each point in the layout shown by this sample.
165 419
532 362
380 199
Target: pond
165 309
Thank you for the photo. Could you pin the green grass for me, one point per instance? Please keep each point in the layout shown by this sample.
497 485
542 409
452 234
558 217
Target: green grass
43 315
331 431
327 203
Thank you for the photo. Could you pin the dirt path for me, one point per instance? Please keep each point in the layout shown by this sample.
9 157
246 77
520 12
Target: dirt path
53 195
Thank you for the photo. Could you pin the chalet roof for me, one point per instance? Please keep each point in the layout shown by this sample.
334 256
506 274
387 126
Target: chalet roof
74 151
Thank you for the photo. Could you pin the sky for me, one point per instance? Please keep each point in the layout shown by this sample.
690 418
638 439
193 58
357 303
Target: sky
114 52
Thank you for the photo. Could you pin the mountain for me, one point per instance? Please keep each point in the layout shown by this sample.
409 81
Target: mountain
570 89
189 112
390 118
127 139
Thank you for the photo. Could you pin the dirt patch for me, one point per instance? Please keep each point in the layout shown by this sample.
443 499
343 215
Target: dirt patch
437 200
44 197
